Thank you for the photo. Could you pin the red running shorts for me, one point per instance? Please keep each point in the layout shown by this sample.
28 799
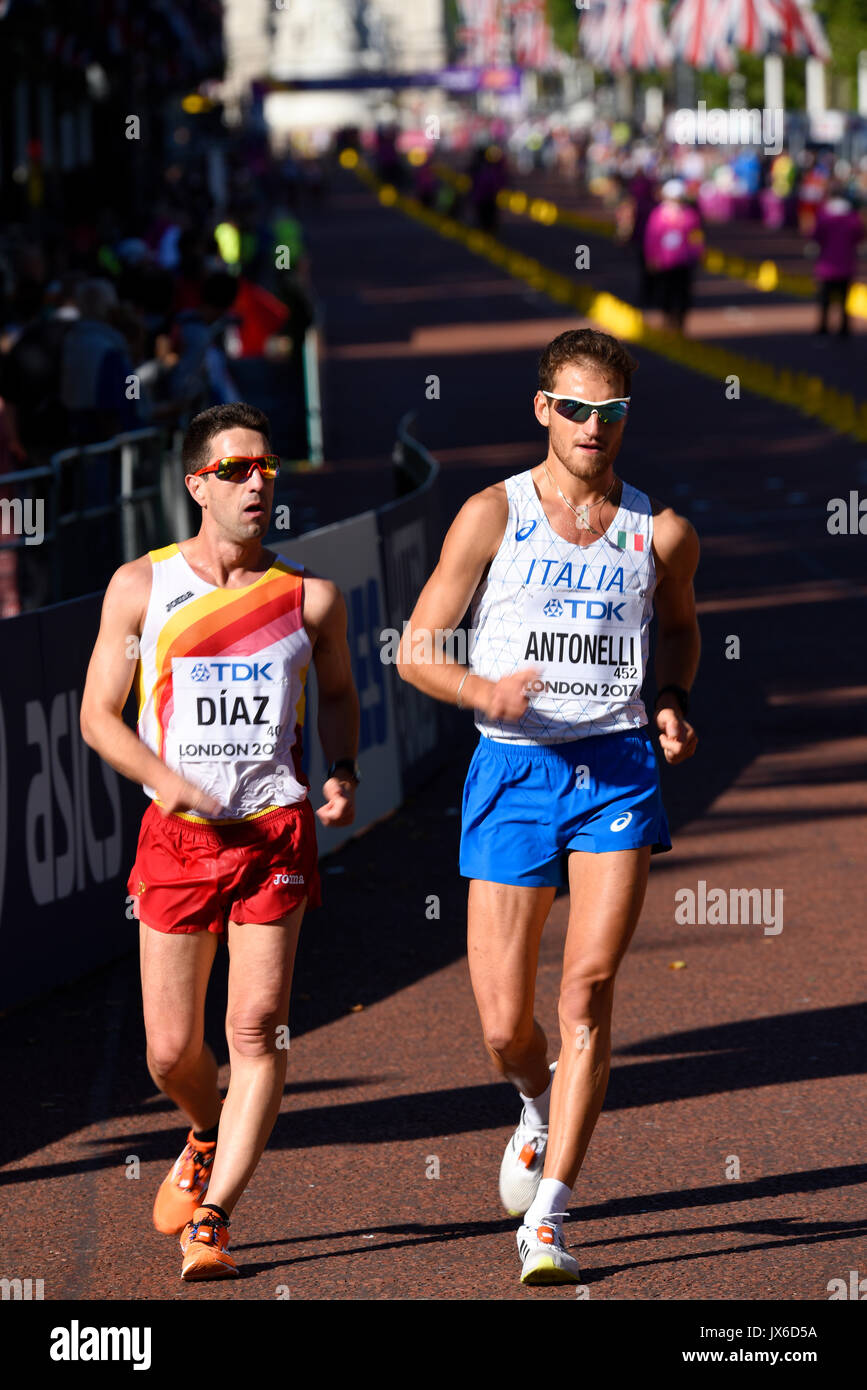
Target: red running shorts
190 877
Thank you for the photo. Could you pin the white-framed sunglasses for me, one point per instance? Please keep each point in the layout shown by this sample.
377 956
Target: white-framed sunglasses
578 412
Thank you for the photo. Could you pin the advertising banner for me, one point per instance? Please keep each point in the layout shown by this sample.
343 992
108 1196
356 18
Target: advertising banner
68 822
348 553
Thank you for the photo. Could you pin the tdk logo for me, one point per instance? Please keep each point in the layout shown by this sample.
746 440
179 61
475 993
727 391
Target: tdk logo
592 609
231 671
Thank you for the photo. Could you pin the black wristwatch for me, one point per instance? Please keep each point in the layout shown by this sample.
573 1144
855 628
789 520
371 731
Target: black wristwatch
680 694
350 763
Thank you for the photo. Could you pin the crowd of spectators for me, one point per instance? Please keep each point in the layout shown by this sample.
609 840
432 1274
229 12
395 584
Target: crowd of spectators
107 326
663 195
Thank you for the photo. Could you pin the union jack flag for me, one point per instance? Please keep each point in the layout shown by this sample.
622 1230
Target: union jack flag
709 33
626 34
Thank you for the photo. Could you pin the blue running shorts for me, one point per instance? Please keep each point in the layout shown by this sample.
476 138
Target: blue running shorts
526 805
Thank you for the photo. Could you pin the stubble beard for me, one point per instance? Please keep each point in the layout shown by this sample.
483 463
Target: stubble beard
589 468
239 532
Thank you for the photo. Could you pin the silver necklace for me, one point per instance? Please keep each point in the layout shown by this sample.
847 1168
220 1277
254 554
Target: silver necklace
582 513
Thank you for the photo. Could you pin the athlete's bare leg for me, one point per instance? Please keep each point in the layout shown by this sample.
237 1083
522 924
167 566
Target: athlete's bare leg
174 975
504 928
607 892
261 961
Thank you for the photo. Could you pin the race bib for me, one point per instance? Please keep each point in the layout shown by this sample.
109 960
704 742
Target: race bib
225 710
587 647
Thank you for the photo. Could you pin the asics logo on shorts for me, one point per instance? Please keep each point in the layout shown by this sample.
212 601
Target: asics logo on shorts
288 878
621 822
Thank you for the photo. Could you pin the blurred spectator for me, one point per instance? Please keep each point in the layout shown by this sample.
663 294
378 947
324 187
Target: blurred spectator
199 376
97 386
632 217
673 242
30 371
783 174
838 230
388 164
811 191
747 168
425 182
261 316
488 177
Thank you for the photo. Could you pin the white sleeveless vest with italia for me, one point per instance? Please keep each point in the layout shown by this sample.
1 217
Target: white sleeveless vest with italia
579 615
220 684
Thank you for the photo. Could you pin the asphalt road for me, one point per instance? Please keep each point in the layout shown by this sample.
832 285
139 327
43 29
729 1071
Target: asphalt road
728 1161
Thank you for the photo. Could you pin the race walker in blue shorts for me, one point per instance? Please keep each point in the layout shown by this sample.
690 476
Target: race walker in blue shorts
563 567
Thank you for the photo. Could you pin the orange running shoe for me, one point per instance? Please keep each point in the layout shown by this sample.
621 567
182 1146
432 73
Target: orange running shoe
205 1246
182 1190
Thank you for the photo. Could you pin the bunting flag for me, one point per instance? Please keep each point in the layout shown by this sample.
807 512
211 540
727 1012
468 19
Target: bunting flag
483 33
498 32
696 32
532 45
626 35
802 30
644 44
710 33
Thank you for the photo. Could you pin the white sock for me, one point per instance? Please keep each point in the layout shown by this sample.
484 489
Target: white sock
550 1203
537 1107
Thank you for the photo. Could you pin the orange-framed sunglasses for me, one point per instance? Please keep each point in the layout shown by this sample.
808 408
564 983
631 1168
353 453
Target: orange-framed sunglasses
239 467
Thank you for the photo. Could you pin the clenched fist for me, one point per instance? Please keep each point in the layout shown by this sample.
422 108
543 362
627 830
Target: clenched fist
508 698
677 739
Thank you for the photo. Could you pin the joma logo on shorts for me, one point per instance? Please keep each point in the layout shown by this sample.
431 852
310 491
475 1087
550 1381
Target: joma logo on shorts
288 878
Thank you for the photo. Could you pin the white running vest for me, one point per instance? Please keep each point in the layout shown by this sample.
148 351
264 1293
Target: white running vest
580 615
220 684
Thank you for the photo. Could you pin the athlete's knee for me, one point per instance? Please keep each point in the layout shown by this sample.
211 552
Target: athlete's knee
509 1038
169 1056
586 996
253 1033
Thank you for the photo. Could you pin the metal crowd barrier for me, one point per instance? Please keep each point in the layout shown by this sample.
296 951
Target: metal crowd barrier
99 505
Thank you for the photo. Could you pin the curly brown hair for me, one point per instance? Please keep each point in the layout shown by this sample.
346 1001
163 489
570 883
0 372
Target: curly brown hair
585 344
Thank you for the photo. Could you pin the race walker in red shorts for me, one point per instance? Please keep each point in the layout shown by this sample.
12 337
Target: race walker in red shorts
218 635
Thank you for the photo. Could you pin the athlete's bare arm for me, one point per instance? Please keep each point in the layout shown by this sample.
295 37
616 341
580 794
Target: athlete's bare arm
324 616
109 679
678 641
472 542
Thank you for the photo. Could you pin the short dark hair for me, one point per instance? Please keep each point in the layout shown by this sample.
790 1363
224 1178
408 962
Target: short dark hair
209 423
585 344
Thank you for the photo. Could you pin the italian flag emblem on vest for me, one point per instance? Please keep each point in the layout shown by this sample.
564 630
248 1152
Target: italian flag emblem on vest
630 540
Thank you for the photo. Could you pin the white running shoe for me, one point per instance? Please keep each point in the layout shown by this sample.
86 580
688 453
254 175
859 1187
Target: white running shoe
545 1261
523 1161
